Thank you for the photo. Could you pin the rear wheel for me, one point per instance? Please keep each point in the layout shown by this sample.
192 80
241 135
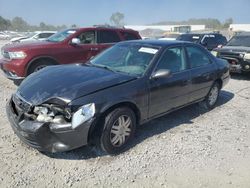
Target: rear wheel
119 129
212 96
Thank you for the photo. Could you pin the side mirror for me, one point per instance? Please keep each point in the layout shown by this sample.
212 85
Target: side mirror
75 41
162 73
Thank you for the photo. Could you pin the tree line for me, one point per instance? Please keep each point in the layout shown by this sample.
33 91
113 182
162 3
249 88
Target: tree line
19 24
117 19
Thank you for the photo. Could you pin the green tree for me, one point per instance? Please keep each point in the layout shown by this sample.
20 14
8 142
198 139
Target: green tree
117 19
19 24
43 26
5 24
228 22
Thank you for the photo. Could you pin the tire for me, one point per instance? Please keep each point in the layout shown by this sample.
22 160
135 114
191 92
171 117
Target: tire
212 97
17 82
119 129
39 64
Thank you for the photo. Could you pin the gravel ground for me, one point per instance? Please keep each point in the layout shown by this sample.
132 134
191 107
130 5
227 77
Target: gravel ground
188 148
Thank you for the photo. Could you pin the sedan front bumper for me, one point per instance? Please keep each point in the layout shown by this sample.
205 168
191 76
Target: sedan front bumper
45 136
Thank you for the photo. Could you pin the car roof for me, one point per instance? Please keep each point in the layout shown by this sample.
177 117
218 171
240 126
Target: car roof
105 28
161 43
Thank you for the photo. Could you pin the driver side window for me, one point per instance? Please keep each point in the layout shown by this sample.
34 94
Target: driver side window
173 59
87 37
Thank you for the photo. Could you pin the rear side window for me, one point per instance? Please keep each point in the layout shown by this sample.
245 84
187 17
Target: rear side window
197 57
108 37
129 36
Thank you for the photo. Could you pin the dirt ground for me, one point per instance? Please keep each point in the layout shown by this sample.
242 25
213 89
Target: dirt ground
187 148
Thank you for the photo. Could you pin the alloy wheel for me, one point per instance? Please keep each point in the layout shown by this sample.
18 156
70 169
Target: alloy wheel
213 95
120 131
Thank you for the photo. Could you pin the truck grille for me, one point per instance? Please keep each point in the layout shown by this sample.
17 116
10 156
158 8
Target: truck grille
229 54
232 58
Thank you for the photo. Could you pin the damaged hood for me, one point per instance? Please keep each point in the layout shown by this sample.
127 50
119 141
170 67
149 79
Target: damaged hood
68 82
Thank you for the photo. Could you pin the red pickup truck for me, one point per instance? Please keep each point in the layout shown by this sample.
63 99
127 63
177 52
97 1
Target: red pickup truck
68 46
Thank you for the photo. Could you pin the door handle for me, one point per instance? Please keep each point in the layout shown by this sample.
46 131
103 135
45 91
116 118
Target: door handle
94 49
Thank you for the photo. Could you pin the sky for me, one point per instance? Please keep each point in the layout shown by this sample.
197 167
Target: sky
137 12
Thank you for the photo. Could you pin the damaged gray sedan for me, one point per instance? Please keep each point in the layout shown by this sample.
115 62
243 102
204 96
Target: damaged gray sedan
60 108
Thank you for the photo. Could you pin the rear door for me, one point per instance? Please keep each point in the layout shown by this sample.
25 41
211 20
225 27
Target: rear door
173 91
107 38
202 72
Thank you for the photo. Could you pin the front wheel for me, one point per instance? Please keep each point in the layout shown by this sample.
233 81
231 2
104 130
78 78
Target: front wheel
119 129
40 64
212 96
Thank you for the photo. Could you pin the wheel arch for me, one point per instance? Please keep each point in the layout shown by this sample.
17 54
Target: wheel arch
219 81
98 126
39 58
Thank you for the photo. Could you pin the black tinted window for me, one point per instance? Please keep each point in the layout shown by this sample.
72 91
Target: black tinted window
173 60
108 37
129 36
221 40
209 40
197 57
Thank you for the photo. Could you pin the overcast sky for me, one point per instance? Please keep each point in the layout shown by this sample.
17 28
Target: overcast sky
89 12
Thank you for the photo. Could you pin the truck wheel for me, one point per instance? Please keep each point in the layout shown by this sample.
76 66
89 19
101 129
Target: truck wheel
39 64
17 82
212 97
119 129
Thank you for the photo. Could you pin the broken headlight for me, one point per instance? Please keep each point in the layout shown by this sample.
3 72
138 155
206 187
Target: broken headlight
247 57
54 114
51 113
84 114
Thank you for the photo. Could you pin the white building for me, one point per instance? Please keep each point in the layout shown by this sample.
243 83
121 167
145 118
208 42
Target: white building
239 27
164 27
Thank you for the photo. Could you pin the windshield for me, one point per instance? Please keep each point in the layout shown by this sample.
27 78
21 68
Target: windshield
239 41
31 35
132 59
190 38
61 36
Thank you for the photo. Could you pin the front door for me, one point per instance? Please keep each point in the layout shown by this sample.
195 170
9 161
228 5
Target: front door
173 91
87 47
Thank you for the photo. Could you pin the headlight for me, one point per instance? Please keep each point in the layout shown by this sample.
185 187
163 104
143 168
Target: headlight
17 55
247 56
215 53
84 114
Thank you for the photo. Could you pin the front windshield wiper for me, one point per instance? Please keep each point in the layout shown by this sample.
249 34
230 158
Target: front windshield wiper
99 66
